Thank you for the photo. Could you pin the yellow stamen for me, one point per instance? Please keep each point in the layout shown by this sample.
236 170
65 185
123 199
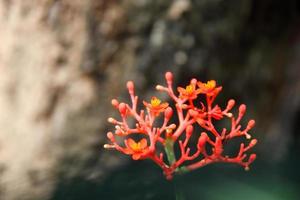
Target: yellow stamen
136 146
210 84
169 130
155 102
189 89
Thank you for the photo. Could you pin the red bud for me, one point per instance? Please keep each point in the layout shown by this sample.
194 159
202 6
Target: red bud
194 81
130 87
122 108
252 158
110 135
168 112
230 104
202 140
253 142
115 102
251 124
189 130
242 109
169 77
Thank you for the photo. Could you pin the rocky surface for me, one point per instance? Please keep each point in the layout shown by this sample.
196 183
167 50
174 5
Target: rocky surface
52 109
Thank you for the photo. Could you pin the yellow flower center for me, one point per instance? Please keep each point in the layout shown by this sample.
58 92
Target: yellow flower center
155 102
210 84
136 146
189 89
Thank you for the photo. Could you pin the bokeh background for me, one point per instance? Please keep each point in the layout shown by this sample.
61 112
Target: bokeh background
62 61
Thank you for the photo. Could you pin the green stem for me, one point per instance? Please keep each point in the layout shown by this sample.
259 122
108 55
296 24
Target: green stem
169 148
178 192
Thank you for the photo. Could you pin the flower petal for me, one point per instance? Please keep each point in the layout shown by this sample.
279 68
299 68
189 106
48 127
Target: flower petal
143 143
130 143
136 156
181 90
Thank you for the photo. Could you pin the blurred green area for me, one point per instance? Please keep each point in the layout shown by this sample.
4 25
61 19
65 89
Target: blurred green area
144 180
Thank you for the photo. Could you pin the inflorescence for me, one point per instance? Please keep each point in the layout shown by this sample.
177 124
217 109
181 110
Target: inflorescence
194 106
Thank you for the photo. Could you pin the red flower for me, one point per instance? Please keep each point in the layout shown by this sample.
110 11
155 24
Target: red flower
136 149
209 88
203 114
155 106
189 92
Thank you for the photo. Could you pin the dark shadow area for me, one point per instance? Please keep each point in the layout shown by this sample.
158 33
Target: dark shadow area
143 180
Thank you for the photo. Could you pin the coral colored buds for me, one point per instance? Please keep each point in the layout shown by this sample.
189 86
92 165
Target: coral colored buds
115 103
168 113
189 130
169 77
110 135
202 140
253 142
251 124
122 108
252 158
230 104
242 109
130 87
195 116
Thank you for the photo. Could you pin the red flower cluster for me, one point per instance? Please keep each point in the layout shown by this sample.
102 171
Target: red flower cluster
194 107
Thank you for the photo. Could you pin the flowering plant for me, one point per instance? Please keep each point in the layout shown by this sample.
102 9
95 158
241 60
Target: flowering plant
194 106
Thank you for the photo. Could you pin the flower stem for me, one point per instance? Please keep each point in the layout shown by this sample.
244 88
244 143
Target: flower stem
169 148
178 192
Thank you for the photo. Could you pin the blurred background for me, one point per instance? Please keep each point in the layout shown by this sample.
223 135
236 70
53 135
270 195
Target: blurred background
62 61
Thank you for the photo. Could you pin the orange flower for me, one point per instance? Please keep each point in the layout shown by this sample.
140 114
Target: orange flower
189 92
159 139
156 106
209 88
136 149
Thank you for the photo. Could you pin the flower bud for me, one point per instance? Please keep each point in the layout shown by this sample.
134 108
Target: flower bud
202 140
253 142
115 102
168 112
172 126
242 109
228 115
194 81
252 158
250 124
119 132
159 87
110 135
130 87
108 146
111 120
248 136
230 104
189 130
122 108
169 77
